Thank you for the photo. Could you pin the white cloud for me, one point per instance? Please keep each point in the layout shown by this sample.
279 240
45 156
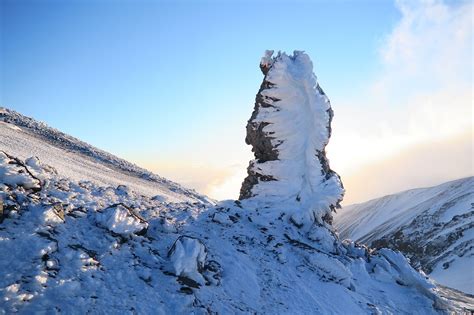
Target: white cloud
423 92
422 165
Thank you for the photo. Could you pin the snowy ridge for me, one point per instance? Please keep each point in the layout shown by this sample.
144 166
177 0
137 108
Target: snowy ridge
434 227
76 159
161 258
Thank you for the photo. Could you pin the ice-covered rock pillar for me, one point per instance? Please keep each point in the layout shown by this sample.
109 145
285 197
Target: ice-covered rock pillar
289 129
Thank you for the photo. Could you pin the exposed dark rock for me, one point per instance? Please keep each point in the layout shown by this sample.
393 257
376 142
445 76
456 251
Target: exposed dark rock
188 282
186 290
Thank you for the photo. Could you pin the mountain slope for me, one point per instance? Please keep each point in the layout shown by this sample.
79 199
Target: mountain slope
433 227
76 247
25 137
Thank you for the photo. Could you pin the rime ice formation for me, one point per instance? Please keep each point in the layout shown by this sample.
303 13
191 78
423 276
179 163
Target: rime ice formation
289 130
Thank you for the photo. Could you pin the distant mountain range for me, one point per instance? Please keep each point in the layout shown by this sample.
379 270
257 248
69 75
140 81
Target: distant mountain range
433 227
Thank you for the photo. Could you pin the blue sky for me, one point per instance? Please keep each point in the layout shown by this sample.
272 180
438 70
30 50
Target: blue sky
169 69
171 84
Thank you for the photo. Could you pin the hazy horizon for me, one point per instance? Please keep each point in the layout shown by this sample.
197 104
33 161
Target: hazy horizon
170 86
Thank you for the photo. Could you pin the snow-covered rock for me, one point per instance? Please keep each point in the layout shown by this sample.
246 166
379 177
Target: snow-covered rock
14 173
433 227
222 218
53 214
289 130
188 256
121 220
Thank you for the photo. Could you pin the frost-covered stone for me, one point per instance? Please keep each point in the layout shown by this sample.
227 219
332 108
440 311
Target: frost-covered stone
323 238
13 173
289 130
54 214
222 218
121 220
160 198
123 190
40 170
188 256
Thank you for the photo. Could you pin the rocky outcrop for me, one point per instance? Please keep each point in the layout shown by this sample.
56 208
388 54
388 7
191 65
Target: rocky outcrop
289 129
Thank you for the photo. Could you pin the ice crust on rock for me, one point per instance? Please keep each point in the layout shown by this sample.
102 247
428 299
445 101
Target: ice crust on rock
289 130
221 218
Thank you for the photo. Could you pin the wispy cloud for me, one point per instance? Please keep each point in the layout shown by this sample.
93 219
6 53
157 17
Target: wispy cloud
422 94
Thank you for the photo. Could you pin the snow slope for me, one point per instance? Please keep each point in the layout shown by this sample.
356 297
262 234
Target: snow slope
433 226
25 137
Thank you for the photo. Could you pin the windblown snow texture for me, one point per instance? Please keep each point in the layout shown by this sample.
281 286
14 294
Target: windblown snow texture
289 130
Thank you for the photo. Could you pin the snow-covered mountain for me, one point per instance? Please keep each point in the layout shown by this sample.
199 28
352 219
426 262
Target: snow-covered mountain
75 159
80 242
433 227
